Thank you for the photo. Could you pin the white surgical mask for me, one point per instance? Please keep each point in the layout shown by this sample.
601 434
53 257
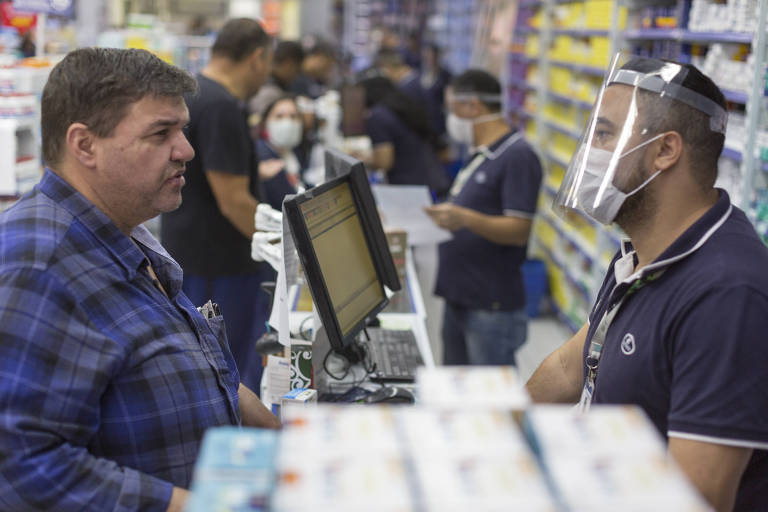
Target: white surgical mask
284 133
461 129
598 162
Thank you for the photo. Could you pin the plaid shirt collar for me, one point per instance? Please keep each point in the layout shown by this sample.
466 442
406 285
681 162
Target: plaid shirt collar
120 246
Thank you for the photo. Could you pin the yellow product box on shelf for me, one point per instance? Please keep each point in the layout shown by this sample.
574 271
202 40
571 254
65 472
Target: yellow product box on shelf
598 14
569 15
530 131
600 51
532 46
563 145
546 233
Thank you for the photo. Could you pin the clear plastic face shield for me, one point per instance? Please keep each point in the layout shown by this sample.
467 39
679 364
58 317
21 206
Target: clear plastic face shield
607 166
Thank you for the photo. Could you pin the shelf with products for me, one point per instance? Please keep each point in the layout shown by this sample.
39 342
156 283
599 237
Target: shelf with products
580 32
727 42
562 128
687 36
570 101
569 54
587 70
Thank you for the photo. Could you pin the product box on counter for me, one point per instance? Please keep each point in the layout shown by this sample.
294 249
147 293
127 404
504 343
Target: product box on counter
471 387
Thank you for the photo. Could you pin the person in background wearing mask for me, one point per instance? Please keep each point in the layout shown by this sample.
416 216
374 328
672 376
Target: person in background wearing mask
286 66
404 144
280 163
679 325
492 203
210 234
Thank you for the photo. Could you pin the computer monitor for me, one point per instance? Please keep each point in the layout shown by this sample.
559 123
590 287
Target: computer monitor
340 164
339 250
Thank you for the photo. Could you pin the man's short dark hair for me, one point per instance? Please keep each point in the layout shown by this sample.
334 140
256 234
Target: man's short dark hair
95 86
288 51
389 58
666 114
239 38
477 81
322 49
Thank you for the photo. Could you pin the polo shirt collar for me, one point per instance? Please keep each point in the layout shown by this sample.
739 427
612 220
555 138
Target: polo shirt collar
95 221
686 244
499 146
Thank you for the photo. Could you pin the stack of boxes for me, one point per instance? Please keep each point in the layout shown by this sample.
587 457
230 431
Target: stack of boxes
473 441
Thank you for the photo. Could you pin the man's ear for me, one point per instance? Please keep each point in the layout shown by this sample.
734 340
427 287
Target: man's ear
257 58
80 144
670 149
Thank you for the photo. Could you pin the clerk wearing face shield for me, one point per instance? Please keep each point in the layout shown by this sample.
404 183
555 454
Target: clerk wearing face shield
679 326
490 210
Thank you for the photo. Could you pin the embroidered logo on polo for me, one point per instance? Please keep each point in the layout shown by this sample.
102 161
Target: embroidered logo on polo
628 344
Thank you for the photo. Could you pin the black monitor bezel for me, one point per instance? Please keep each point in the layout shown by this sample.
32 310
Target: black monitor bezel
312 271
382 257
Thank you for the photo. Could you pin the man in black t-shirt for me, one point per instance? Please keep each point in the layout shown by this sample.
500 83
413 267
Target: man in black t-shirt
209 235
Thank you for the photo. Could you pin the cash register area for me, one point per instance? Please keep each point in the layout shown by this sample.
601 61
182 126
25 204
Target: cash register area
372 419
371 422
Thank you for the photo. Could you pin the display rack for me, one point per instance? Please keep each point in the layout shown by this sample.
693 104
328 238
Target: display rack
559 54
558 57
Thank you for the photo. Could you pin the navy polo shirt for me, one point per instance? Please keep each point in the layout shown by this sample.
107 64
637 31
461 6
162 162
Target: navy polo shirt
474 272
689 344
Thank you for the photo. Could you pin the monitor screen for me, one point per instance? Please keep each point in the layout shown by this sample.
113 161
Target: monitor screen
340 252
337 238
340 164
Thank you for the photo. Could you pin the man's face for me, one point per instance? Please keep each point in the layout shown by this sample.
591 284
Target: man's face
140 166
617 111
461 106
620 128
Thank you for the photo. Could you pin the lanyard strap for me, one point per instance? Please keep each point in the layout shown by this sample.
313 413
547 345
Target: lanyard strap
598 339
465 174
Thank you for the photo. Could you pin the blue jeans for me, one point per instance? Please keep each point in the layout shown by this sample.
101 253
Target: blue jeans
245 308
479 337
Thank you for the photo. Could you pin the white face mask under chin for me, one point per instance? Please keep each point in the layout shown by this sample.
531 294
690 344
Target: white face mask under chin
598 162
461 129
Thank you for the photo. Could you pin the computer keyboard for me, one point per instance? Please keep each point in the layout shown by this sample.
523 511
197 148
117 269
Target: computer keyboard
395 354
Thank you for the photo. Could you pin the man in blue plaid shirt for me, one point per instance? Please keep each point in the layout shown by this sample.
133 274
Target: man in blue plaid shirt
108 374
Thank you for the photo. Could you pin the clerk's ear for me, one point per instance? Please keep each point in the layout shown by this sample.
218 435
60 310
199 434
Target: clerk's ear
669 149
80 142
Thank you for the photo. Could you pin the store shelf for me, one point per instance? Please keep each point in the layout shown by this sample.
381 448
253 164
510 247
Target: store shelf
560 160
565 130
569 101
520 111
582 289
580 68
520 84
580 32
573 238
525 29
520 57
736 156
735 96
563 316
660 34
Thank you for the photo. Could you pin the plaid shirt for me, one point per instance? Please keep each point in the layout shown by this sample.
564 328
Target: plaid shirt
106 384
